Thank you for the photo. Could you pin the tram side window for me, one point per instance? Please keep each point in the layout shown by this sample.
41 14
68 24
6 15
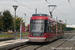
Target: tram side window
53 28
58 27
63 27
48 27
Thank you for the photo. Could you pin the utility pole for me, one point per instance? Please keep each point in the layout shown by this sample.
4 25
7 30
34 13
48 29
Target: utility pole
56 26
25 18
35 10
15 7
66 21
56 18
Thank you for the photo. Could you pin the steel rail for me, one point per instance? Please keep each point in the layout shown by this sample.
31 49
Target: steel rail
63 42
73 46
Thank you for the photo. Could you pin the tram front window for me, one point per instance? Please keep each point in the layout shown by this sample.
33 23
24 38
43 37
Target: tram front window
36 27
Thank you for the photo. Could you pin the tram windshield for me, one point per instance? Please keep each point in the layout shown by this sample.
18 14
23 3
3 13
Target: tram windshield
37 26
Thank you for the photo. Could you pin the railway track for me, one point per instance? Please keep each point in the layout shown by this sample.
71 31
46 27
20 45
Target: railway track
45 46
57 44
19 47
60 46
73 47
29 46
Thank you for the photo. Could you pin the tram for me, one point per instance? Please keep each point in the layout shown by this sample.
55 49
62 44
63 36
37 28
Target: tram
43 28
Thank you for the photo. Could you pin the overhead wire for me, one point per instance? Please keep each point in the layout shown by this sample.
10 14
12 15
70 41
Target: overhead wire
47 1
63 13
45 11
71 6
23 5
27 6
65 16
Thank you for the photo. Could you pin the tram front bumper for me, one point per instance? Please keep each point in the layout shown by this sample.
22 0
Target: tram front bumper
34 39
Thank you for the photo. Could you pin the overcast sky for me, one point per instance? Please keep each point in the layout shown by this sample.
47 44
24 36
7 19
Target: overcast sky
63 10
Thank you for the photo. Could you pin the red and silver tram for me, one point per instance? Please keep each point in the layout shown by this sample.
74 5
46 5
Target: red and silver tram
43 28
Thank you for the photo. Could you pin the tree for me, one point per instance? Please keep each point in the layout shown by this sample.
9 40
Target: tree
18 19
1 23
7 20
12 25
63 27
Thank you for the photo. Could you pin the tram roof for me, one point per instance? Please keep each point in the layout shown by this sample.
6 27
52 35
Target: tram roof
45 15
40 15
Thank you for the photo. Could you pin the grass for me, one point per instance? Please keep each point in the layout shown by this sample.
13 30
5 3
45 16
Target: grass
26 33
6 35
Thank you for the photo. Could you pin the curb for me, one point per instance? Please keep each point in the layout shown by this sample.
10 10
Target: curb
7 47
4 39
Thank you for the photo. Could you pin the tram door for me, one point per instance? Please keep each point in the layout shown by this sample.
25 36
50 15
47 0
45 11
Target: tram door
48 29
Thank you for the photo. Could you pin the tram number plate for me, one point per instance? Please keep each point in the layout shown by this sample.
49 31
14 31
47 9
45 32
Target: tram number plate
36 34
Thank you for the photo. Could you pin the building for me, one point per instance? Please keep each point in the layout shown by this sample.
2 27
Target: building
70 25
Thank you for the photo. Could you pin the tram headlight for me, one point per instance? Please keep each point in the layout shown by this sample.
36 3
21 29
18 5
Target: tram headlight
31 35
41 34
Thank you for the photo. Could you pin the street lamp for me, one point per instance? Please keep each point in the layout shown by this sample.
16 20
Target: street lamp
52 9
25 18
15 7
